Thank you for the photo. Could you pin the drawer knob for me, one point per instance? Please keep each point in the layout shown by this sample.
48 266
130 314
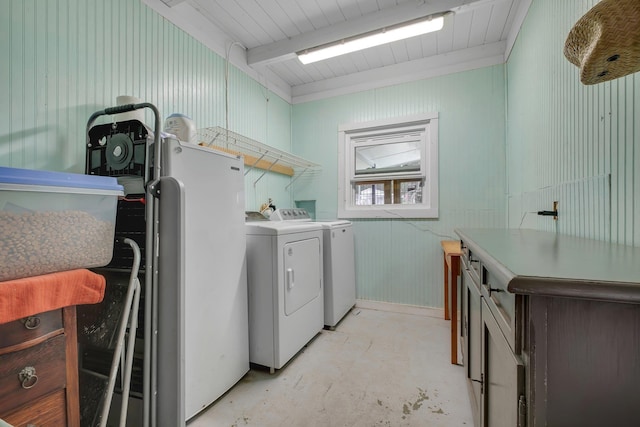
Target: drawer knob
494 290
28 377
32 322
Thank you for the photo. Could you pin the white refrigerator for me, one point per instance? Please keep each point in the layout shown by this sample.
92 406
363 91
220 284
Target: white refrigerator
201 311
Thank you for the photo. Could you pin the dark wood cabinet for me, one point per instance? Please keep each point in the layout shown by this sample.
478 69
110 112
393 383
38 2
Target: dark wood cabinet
472 336
558 322
38 370
585 369
502 376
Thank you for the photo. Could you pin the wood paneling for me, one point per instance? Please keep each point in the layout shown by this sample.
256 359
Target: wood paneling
66 59
400 260
569 142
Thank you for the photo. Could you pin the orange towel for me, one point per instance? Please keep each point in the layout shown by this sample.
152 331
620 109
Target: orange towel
25 297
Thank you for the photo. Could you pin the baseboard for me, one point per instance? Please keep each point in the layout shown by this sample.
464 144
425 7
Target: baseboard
400 308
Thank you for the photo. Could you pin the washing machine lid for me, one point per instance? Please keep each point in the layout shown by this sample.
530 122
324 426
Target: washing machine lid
277 228
338 223
250 216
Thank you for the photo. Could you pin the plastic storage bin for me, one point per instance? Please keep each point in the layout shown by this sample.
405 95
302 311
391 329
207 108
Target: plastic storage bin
55 221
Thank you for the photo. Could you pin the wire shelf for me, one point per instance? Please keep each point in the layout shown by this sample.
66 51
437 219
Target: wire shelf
256 154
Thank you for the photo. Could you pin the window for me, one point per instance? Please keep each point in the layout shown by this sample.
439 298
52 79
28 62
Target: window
389 168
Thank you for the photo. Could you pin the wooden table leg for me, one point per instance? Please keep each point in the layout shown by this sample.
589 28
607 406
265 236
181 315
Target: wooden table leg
451 271
446 289
454 321
453 284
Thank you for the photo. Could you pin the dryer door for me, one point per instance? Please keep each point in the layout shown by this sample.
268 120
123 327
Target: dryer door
302 264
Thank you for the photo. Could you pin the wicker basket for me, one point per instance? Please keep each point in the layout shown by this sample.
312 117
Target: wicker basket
605 42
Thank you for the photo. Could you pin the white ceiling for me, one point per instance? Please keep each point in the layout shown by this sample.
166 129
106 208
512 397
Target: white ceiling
262 36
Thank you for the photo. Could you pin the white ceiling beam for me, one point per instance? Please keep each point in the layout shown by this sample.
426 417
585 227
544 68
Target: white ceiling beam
471 6
172 3
425 68
286 49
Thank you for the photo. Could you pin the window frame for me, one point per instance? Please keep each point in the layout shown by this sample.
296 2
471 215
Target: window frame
427 123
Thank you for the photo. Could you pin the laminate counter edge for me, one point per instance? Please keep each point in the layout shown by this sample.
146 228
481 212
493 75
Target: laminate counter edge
577 267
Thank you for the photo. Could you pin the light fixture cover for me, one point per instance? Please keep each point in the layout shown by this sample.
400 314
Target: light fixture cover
374 38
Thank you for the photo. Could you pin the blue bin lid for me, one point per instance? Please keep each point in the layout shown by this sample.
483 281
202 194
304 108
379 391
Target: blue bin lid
57 179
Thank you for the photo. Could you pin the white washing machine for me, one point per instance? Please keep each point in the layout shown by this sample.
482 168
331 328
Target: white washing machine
339 263
285 280
339 270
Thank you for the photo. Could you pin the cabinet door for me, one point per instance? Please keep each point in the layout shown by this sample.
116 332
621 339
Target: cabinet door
503 377
472 326
586 364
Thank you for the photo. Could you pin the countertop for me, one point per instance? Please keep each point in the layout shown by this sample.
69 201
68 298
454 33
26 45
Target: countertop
543 263
451 247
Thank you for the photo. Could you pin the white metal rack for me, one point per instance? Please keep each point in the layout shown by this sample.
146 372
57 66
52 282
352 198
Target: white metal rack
256 154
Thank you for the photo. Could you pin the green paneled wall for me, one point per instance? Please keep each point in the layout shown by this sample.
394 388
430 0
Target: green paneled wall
400 260
569 142
513 138
65 59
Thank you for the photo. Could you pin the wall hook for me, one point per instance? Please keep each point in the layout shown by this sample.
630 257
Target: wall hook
553 213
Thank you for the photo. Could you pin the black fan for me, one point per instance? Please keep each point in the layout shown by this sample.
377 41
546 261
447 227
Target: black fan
121 150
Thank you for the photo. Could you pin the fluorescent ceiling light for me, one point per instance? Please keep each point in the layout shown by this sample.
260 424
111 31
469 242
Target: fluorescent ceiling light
390 34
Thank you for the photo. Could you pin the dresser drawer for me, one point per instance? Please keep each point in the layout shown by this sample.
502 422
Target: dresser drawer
471 260
47 362
30 328
505 306
48 411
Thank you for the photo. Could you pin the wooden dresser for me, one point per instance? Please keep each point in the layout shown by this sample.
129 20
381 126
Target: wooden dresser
551 328
39 370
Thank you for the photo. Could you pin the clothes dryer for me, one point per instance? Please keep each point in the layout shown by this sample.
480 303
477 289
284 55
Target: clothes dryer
338 262
286 297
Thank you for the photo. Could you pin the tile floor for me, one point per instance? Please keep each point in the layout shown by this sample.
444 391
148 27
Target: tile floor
377 368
